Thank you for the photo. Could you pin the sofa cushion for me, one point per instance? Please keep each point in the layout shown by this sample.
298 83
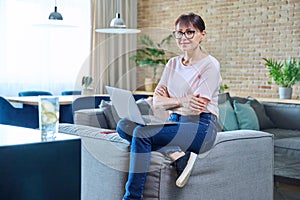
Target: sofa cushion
144 107
281 113
110 113
283 133
288 146
93 132
263 119
227 118
112 116
246 116
90 117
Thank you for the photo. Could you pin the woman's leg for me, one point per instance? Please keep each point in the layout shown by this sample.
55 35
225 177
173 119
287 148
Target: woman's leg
196 137
148 138
125 129
189 136
184 165
140 155
139 165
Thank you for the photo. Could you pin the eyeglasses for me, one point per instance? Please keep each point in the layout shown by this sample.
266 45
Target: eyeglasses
188 34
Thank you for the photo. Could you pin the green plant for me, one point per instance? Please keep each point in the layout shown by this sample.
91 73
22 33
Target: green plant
285 73
152 54
223 87
86 81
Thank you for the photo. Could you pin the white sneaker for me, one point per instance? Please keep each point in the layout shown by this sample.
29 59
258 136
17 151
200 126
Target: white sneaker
184 166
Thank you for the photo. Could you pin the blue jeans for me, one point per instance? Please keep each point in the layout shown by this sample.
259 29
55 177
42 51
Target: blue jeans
193 133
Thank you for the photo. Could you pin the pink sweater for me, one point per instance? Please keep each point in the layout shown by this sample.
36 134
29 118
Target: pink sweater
202 78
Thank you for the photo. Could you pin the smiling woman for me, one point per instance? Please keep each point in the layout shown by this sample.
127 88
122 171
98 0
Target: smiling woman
42 57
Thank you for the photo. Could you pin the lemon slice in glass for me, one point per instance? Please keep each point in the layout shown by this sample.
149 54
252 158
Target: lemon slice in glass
49 118
47 106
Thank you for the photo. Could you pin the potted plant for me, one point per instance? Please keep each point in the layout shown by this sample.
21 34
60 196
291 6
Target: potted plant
285 74
223 88
86 85
152 55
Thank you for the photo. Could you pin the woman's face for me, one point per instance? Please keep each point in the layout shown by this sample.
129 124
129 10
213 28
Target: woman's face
188 38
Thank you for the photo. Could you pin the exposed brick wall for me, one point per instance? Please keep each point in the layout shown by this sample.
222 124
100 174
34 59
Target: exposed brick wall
239 34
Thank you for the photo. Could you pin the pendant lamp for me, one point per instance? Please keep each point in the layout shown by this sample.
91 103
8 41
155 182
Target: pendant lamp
55 20
117 25
55 15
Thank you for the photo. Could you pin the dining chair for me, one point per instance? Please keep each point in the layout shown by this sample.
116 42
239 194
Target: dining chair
24 117
71 92
34 93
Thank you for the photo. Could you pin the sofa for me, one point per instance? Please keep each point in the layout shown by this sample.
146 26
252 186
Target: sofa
239 166
286 118
279 119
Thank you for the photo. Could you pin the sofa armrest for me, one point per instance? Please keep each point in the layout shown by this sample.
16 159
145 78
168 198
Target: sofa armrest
91 117
285 116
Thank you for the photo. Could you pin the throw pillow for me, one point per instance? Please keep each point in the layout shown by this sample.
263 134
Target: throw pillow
263 120
223 97
144 107
110 113
227 118
112 116
246 116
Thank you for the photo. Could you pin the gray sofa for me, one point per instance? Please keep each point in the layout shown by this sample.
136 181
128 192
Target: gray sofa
239 166
286 118
283 122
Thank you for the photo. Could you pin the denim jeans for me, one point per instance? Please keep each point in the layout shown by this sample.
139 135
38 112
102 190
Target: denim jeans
192 133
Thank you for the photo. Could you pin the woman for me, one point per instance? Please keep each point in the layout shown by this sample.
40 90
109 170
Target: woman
189 88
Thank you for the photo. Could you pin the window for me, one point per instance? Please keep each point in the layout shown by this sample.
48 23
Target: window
35 57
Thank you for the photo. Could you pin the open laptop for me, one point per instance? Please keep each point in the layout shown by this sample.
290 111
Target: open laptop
126 106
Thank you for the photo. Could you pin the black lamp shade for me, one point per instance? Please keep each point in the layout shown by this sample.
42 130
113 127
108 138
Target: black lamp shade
55 15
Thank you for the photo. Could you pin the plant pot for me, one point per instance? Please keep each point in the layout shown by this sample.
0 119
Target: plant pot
150 84
285 92
87 91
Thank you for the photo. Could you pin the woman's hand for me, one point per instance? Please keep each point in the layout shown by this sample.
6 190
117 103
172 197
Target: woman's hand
162 99
198 103
162 91
195 103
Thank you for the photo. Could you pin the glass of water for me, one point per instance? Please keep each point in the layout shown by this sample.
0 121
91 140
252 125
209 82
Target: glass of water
48 116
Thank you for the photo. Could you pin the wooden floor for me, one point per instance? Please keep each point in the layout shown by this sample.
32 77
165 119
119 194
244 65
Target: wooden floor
286 192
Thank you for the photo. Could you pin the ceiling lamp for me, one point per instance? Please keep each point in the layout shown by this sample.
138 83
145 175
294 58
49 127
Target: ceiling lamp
55 20
117 25
55 15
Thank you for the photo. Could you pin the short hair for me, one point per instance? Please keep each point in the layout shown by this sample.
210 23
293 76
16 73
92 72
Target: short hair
191 19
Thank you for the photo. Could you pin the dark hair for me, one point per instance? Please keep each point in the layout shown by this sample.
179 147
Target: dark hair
191 19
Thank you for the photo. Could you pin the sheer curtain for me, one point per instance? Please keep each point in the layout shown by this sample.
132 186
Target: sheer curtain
41 57
111 52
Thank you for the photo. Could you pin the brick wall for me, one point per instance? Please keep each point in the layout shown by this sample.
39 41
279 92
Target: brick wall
239 34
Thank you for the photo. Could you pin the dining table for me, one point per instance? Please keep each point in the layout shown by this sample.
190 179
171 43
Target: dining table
63 99
65 105
33 100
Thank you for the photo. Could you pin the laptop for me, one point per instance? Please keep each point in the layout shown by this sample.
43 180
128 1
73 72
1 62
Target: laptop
126 107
